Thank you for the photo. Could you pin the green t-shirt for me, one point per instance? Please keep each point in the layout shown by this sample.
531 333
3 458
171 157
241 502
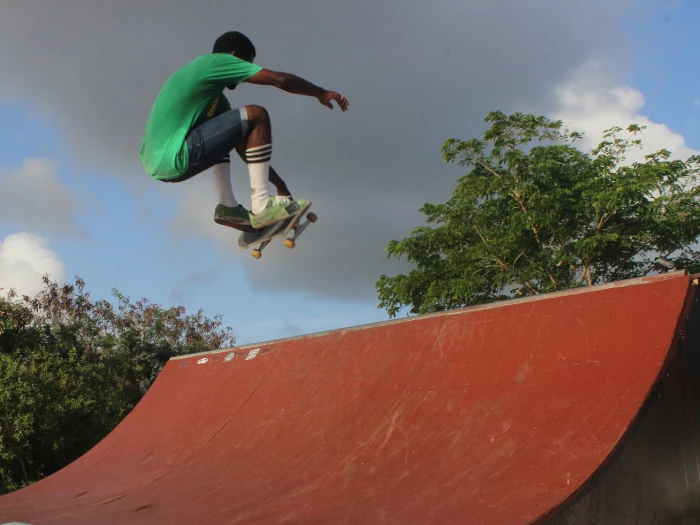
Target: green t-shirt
191 95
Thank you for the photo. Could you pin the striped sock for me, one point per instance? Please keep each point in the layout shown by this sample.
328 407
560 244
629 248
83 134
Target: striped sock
258 160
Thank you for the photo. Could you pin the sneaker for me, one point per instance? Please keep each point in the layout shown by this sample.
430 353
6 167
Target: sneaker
237 218
277 209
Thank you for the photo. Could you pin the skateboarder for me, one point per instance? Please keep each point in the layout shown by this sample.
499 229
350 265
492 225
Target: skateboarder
192 128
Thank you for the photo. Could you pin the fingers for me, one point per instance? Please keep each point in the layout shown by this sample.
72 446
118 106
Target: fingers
330 96
343 102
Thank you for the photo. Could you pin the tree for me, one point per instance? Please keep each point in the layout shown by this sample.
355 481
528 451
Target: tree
71 369
535 215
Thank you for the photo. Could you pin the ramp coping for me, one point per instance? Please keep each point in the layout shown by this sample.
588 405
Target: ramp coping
498 304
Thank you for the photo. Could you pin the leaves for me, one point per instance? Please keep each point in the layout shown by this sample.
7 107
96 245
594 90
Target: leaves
71 368
535 215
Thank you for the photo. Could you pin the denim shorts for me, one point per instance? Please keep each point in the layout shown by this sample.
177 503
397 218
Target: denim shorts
211 142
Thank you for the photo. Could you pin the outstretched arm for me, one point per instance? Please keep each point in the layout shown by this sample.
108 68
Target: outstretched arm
298 86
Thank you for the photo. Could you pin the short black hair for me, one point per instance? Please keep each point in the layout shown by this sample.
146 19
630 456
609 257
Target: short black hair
234 41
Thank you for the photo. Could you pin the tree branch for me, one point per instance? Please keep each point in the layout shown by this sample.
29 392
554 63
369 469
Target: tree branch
488 168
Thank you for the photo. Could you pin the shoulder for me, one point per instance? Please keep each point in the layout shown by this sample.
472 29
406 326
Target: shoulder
214 60
227 59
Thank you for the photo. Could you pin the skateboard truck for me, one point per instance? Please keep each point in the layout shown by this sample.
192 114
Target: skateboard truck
280 229
289 242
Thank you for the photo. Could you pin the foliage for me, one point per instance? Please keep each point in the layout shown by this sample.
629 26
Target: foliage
535 215
72 368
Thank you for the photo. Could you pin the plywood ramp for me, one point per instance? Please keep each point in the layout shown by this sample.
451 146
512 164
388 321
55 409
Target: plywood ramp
512 413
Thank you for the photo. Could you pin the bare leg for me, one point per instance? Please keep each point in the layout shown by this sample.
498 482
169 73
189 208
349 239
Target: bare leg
257 154
277 181
259 127
260 134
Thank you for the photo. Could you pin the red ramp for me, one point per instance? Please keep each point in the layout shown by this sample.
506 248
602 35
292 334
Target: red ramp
504 414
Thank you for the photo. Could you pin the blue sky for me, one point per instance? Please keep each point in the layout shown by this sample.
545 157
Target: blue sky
129 219
666 42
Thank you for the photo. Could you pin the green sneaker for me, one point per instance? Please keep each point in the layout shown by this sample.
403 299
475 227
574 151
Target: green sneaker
237 218
277 209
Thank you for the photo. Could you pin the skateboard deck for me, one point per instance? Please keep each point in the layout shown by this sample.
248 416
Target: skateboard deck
279 229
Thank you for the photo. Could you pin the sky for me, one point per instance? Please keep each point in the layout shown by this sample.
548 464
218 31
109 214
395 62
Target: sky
79 78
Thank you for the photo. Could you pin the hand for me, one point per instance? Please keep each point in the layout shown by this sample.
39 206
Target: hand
327 97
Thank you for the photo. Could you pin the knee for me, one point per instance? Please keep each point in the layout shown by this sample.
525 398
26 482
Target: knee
257 114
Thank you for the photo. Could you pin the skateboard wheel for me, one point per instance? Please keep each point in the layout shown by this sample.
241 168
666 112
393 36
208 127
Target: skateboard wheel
289 243
312 217
256 254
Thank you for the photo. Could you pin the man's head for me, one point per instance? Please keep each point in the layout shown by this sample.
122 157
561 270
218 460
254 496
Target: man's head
237 44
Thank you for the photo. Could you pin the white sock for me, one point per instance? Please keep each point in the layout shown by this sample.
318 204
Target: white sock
258 160
222 178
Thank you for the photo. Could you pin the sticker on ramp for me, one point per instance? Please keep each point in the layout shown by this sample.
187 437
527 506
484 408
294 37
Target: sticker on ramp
203 361
229 357
252 354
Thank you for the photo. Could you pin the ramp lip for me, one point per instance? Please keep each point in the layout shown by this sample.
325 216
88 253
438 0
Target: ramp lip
638 281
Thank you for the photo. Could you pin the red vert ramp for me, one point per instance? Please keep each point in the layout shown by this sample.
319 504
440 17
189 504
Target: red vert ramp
550 409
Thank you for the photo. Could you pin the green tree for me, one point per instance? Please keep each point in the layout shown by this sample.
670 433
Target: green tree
72 368
535 215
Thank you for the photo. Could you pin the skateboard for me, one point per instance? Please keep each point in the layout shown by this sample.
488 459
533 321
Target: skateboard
279 229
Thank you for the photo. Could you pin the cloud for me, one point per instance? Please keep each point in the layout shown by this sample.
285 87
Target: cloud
196 280
35 197
415 72
24 259
591 101
407 64
335 257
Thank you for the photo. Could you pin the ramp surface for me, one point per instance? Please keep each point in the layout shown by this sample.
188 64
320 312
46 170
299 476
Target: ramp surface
487 415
